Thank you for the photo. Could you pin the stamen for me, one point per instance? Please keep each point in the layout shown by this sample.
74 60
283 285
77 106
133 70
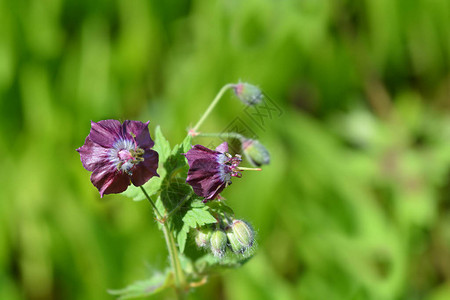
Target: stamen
248 169
134 140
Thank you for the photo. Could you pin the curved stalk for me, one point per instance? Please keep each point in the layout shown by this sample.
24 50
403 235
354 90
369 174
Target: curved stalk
211 106
179 278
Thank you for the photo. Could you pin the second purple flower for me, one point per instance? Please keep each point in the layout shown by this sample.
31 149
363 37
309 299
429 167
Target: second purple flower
211 171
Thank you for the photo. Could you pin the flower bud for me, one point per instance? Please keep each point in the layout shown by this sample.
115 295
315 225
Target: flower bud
243 234
218 243
248 93
203 236
255 152
235 245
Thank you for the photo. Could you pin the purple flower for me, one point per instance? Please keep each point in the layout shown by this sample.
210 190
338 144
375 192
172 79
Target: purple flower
211 171
118 153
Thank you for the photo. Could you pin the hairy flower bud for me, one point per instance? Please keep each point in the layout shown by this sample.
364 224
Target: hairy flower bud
202 237
235 245
248 93
255 152
243 233
218 243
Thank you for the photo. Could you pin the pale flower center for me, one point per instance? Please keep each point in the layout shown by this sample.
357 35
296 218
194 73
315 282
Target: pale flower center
125 155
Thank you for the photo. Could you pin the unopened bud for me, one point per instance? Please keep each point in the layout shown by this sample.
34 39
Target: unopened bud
248 93
255 152
243 233
203 236
218 243
235 245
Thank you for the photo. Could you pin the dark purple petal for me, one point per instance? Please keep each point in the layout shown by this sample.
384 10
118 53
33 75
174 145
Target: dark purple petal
209 189
109 180
140 131
200 152
202 168
146 169
205 179
210 171
203 174
118 154
92 155
222 147
105 133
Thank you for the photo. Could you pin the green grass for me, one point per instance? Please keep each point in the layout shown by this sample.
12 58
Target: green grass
355 203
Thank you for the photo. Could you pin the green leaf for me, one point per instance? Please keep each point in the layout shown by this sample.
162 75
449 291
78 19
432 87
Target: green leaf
157 283
162 145
176 163
152 187
174 192
182 237
187 143
220 207
195 217
198 217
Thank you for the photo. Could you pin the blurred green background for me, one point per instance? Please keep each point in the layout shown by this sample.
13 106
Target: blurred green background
356 202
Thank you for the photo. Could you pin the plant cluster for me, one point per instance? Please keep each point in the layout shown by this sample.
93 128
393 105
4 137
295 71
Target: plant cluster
186 182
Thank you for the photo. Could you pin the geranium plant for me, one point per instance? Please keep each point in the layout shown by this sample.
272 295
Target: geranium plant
183 185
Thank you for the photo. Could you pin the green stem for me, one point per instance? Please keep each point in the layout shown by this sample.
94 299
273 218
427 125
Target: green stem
211 106
158 215
179 278
180 281
225 135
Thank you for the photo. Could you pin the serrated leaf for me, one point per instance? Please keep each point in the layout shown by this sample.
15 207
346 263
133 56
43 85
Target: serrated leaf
193 218
173 192
198 203
142 288
220 207
182 237
176 161
187 143
198 217
162 145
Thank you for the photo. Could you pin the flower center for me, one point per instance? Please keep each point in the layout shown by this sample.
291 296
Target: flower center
125 155
234 164
229 166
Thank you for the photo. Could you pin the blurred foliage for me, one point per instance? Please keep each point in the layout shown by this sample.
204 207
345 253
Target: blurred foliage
355 204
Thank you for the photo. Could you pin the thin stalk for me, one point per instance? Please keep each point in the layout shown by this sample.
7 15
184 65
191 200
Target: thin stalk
158 215
211 106
225 135
179 278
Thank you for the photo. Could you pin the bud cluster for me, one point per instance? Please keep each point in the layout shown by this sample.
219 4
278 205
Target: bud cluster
238 237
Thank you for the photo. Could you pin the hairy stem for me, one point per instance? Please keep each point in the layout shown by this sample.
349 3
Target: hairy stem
224 135
179 278
158 215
